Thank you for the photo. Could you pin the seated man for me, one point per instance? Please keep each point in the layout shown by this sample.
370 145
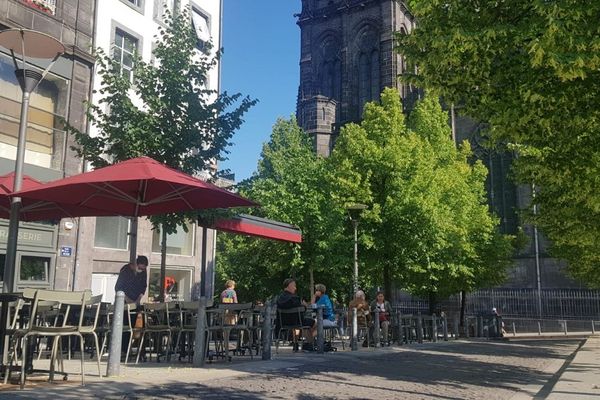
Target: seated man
288 300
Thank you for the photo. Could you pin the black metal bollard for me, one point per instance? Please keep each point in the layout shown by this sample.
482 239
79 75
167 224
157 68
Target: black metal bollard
200 338
479 326
399 322
457 327
320 330
354 339
445 327
266 331
114 354
434 328
419 328
377 329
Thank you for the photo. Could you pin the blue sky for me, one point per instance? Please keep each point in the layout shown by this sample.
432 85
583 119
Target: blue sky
262 46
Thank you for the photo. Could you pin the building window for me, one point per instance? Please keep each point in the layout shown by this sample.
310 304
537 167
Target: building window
34 269
2 262
201 25
48 105
111 232
47 6
161 7
179 243
368 78
137 5
124 51
178 284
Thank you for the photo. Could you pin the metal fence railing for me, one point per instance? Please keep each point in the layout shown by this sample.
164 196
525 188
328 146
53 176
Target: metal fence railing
556 304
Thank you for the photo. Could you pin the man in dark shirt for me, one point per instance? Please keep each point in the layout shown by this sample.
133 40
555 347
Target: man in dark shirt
287 300
133 280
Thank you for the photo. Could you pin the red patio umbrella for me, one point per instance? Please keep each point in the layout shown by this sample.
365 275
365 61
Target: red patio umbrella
37 210
133 188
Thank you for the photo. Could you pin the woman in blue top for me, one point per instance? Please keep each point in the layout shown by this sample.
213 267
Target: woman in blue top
322 300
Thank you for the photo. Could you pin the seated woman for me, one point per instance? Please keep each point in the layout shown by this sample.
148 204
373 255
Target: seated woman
384 308
323 300
362 309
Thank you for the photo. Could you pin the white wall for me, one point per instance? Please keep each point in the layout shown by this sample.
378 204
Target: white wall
117 13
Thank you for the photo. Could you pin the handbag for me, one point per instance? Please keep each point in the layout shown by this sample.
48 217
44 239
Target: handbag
138 325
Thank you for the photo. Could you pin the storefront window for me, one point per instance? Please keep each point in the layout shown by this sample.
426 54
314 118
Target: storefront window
48 105
111 232
180 243
34 269
178 283
2 261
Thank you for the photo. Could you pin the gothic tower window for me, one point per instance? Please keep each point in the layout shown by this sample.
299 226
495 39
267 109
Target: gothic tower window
375 82
330 69
368 75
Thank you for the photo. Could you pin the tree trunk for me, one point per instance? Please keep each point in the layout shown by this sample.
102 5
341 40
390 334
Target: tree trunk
463 306
163 263
387 282
311 281
432 302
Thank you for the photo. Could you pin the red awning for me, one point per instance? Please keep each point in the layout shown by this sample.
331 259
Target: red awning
254 226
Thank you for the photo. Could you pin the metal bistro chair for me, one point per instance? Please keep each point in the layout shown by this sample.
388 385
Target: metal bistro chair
67 299
331 332
290 320
48 314
215 331
185 328
363 324
157 325
91 312
237 318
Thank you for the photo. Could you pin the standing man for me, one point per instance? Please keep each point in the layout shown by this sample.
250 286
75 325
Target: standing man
133 280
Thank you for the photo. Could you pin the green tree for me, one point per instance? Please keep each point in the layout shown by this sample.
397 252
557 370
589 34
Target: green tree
531 71
290 186
427 227
165 111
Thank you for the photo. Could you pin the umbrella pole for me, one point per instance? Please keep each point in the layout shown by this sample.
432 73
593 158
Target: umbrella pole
133 239
163 263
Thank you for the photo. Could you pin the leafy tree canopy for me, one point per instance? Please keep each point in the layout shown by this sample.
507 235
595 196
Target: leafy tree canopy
290 186
427 227
165 111
531 70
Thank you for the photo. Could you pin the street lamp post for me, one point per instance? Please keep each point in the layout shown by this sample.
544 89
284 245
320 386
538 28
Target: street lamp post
354 212
26 44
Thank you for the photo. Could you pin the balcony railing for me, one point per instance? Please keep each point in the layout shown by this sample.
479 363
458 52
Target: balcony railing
47 6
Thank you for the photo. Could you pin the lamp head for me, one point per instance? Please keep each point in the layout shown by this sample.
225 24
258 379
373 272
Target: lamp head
355 210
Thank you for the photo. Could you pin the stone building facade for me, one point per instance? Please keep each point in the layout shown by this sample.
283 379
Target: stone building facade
62 94
347 57
124 27
87 253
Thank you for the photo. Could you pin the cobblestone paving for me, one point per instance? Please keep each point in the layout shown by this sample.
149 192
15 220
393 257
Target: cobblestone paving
459 370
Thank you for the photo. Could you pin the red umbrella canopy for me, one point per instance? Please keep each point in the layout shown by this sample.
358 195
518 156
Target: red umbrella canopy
137 187
36 210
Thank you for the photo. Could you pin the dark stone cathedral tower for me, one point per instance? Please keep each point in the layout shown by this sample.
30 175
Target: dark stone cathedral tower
346 59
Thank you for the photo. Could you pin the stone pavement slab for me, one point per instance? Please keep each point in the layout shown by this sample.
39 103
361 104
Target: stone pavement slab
446 370
580 378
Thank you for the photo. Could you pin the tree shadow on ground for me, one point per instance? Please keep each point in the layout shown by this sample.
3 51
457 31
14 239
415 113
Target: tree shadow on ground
443 369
